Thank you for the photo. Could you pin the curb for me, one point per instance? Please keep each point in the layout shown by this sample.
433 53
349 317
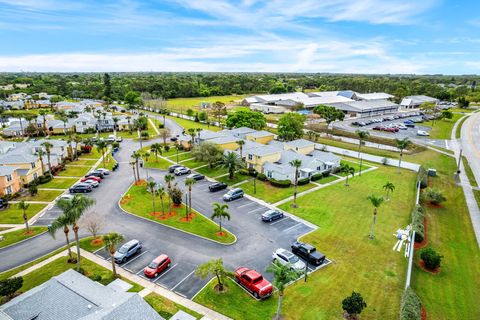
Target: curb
16 243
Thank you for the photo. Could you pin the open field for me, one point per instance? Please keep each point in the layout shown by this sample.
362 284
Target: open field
14 215
182 104
167 308
20 235
442 128
187 124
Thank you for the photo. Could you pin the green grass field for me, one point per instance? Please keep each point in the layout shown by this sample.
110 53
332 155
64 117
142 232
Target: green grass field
442 128
13 215
458 133
20 235
192 163
59 183
469 172
167 308
187 124
139 202
72 171
42 195
182 104
213 172
181 156
236 179
269 193
326 180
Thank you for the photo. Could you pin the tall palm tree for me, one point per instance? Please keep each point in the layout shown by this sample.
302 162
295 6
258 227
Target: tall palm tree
161 194
401 145
62 222
282 275
296 163
101 147
156 148
20 117
388 187
362 135
136 155
129 118
69 146
192 133
152 187
132 163
240 144
40 158
348 170
73 209
115 121
111 241
220 212
189 182
376 202
76 139
198 132
44 113
48 146
232 162
22 205
146 155
169 178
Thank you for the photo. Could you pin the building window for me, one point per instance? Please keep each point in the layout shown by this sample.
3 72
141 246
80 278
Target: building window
250 166
33 165
9 177
250 157
269 174
8 190
35 175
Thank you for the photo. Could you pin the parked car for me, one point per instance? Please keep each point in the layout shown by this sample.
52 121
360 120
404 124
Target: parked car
92 183
172 168
127 250
94 178
115 166
422 133
181 171
410 125
111 138
286 257
196 176
95 174
157 266
217 186
80 188
308 252
3 204
271 215
119 139
254 282
173 139
64 197
233 194
104 171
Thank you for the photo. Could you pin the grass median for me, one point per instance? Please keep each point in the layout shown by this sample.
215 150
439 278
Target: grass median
13 215
42 195
13 237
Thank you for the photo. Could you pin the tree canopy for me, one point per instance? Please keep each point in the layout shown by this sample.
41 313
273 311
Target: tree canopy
246 118
290 126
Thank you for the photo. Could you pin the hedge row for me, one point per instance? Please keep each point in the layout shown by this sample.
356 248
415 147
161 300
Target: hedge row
411 306
303 181
418 226
280 183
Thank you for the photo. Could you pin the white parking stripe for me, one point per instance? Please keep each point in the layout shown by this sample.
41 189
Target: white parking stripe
283 219
165 272
247 204
183 280
180 294
98 249
258 209
293 227
141 254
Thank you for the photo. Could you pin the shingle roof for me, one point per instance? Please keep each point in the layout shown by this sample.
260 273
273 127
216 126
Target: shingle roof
299 143
11 158
6 170
259 134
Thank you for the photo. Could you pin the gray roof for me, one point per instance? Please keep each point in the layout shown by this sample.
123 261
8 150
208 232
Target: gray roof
259 134
299 143
239 131
6 170
11 158
367 105
264 150
71 295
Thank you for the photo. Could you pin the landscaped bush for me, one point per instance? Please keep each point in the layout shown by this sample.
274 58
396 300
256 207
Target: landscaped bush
303 181
244 172
96 277
262 177
316 176
431 258
434 196
161 126
176 195
33 189
411 306
166 147
280 183
115 144
9 286
418 218
44 179
326 173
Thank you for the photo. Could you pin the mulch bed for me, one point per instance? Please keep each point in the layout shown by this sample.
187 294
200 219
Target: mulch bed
422 265
434 206
140 183
190 217
97 241
419 245
163 215
423 314
221 234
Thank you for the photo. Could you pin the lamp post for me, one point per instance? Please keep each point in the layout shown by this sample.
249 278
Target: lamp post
360 170
186 206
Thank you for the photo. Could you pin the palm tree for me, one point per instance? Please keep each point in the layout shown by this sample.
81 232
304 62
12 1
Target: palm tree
156 148
296 163
69 146
376 202
169 179
161 194
189 182
192 133
198 132
115 121
101 146
348 170
111 241
362 135
282 275
401 145
73 210
48 147
77 139
241 143
44 113
22 205
388 187
132 163
20 117
232 162
62 222
152 187
40 158
129 118
219 212
136 155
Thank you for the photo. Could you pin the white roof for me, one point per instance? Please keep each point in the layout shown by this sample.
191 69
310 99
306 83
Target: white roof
374 96
282 96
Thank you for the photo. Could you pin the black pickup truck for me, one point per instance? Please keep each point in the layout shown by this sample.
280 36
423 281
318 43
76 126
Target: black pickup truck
308 252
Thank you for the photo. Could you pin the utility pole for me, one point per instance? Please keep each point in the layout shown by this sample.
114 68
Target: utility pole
459 161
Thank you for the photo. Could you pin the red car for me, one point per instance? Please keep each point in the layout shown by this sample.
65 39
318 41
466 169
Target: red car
254 282
157 266
91 178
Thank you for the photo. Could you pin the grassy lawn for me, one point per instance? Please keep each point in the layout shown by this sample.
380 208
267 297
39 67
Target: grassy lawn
469 172
213 172
193 163
19 235
71 171
4 228
442 128
326 180
187 124
42 195
90 245
236 303
94 154
181 156
109 162
167 308
158 163
355 165
236 179
59 183
271 194
182 104
139 202
84 162
458 133
14 215
453 293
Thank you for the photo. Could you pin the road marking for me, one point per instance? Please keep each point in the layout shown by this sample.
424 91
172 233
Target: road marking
141 270
244 205
128 270
180 294
293 227
183 280
141 254
283 219
258 209
98 249
166 272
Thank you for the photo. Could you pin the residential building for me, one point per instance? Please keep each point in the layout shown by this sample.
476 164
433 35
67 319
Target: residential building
28 166
74 296
10 182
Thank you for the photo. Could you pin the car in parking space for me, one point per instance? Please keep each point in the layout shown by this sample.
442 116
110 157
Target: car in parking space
126 251
172 168
271 215
119 139
111 138
254 282
181 171
410 125
285 257
93 183
94 178
65 197
95 174
196 176
80 188
217 186
308 252
422 133
104 171
157 266
233 194
173 139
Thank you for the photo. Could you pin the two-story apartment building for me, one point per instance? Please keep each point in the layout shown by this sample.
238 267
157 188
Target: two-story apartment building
28 166
10 182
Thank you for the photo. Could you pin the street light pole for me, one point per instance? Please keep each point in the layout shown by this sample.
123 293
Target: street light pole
459 160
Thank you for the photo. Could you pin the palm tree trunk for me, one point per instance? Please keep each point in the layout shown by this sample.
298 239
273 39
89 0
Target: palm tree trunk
65 230
103 157
75 231
400 161
49 163
220 224
279 306
294 204
25 218
163 209
134 174
190 199
153 201
138 171
372 231
114 269
220 284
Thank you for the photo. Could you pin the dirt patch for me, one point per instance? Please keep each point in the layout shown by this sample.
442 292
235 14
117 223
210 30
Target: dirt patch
97 241
140 183
423 314
217 289
189 218
126 199
163 215
29 233
422 265
221 233
177 205
434 206
419 245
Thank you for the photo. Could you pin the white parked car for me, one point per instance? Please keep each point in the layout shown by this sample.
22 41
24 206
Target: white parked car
93 183
422 133
104 171
181 171
111 138
286 257
65 197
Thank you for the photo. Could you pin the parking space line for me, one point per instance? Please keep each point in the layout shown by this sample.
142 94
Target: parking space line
283 219
128 270
183 280
180 294
247 204
141 254
293 227
141 270
166 272
258 209
95 252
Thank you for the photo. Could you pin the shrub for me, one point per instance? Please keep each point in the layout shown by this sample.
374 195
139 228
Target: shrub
418 223
326 173
115 144
385 161
161 126
96 277
33 190
434 196
44 179
176 195
9 286
354 304
411 306
244 172
431 258
262 177
280 183
303 181
166 147
316 176
144 135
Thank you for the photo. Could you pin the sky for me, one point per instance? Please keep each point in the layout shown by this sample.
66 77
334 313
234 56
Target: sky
338 36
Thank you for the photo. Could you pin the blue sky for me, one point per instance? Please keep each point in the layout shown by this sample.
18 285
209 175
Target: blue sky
362 36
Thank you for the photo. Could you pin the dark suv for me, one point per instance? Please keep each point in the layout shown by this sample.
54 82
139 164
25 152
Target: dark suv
217 186
127 250
95 174
80 188
308 252
172 168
